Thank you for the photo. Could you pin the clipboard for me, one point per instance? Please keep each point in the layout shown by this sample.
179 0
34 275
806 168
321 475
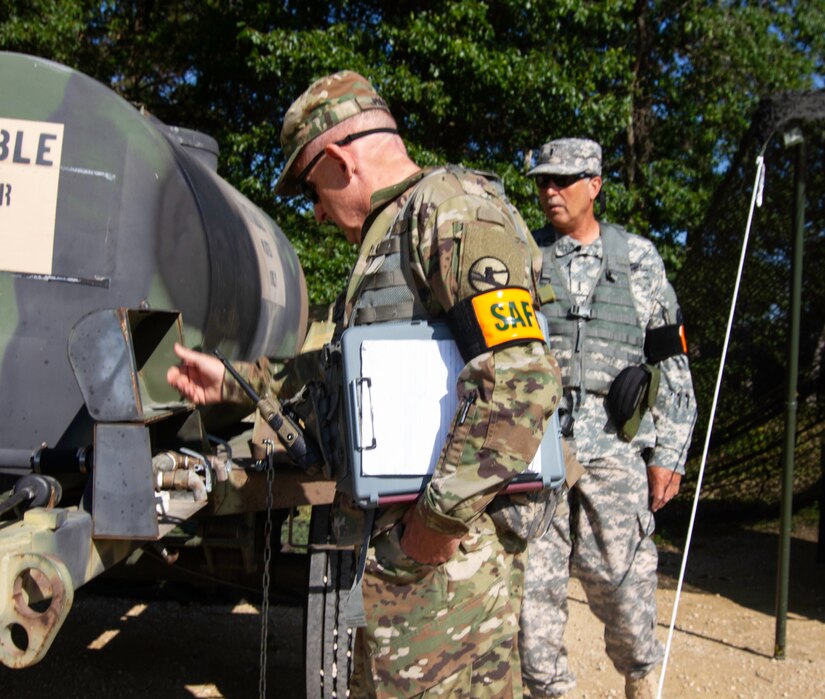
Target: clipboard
399 402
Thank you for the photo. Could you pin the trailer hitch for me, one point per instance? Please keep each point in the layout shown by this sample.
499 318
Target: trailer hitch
40 594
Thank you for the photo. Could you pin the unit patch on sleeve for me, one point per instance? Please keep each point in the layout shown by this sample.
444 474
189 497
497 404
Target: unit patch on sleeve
488 273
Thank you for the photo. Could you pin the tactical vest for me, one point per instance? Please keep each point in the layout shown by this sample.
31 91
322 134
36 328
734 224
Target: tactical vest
388 291
594 340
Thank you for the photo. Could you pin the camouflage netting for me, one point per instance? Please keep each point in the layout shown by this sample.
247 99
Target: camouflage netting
745 460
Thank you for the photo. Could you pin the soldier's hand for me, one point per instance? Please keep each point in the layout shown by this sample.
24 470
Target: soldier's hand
424 545
663 485
199 377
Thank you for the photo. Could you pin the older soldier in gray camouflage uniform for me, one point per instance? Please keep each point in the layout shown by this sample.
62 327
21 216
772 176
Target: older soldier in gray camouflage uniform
443 584
616 330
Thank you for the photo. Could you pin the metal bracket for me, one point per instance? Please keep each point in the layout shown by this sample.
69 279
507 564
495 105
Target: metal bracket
41 594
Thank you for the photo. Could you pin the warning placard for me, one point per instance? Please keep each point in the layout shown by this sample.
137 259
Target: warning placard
30 154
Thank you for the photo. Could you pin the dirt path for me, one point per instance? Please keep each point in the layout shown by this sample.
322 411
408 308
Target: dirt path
719 649
165 648
725 632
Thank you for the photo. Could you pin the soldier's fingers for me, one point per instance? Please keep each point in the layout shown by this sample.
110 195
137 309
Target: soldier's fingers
668 495
177 379
658 497
189 356
185 383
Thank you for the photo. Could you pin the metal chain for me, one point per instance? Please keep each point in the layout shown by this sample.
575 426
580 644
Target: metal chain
270 478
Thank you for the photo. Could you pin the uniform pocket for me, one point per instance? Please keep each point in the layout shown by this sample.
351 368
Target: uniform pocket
464 605
459 432
391 564
647 523
517 418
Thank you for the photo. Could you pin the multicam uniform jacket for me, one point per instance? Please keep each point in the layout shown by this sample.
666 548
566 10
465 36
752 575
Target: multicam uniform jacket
464 240
459 238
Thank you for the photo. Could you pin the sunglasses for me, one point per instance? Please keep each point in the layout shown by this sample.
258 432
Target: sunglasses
559 181
307 188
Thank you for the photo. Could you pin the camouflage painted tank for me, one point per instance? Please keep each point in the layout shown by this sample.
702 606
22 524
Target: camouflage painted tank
118 238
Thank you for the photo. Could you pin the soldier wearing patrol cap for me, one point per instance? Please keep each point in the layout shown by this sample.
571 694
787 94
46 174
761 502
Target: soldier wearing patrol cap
628 410
442 585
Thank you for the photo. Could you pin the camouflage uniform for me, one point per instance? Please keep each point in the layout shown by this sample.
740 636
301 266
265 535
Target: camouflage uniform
448 630
602 534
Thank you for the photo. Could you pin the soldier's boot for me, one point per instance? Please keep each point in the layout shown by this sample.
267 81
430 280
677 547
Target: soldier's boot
640 687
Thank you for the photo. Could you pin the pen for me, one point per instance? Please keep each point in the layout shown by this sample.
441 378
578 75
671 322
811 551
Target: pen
466 408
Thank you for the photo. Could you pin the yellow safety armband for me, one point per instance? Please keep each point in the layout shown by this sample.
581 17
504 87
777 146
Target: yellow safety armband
493 319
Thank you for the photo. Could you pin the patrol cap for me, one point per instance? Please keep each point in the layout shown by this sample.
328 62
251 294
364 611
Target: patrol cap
325 103
569 156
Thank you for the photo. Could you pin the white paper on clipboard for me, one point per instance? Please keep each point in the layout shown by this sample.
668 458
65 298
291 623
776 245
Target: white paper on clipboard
408 404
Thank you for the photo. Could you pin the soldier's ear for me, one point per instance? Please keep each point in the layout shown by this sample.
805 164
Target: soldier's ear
595 184
343 160
598 199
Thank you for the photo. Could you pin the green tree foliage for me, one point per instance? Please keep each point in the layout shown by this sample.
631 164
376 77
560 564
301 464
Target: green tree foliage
48 28
667 87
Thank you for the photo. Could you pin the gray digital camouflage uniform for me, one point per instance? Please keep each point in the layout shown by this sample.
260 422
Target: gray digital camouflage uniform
602 534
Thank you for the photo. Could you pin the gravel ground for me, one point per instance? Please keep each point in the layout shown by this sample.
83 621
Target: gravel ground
164 645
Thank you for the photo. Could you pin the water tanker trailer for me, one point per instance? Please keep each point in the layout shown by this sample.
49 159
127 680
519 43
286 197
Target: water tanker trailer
117 239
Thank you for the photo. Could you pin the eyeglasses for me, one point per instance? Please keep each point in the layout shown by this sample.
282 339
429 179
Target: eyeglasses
307 188
559 181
